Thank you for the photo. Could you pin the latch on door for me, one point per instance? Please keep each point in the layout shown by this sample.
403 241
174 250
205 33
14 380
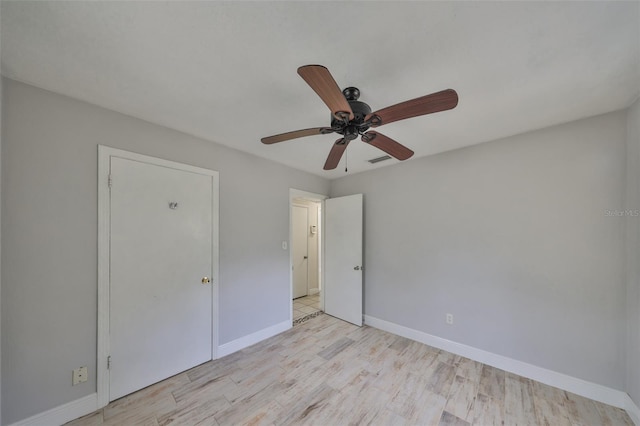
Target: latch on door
358 268
206 280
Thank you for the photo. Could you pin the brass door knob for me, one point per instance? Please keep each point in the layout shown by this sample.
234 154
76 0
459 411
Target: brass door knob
206 280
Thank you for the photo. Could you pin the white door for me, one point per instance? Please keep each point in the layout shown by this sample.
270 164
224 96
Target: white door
299 251
161 249
343 258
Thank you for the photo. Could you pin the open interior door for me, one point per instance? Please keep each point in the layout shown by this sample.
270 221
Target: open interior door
343 258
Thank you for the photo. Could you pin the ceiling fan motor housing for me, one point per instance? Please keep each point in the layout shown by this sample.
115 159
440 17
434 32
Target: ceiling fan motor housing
353 128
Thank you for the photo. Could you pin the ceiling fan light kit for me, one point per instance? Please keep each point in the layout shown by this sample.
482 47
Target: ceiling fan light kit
352 118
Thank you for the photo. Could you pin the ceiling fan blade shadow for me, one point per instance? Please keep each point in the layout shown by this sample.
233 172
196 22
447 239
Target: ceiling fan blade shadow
297 134
322 82
387 145
435 102
336 154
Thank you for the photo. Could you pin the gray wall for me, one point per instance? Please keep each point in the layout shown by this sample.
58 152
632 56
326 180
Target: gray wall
633 253
511 237
49 236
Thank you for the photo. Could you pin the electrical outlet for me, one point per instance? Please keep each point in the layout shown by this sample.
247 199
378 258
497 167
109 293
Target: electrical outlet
80 375
450 319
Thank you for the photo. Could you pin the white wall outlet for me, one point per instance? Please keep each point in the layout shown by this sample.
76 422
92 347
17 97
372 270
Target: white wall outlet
80 375
449 319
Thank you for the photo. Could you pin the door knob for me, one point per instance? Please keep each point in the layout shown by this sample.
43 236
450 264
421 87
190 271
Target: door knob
356 268
305 257
205 280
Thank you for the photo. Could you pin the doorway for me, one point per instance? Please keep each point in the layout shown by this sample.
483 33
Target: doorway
157 270
306 255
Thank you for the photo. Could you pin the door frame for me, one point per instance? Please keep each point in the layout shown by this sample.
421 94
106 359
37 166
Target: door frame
301 206
104 230
319 198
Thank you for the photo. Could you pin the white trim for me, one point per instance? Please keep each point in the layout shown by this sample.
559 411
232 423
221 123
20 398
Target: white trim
63 413
104 232
104 160
633 410
0 248
572 384
253 338
88 404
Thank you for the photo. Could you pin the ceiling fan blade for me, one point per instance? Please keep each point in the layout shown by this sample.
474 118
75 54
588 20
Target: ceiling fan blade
435 102
387 145
321 81
336 154
297 134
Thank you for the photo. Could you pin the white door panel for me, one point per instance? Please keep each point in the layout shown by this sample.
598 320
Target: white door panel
343 258
299 251
160 311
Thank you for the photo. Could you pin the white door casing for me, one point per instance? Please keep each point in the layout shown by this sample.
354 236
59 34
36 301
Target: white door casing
343 258
156 317
300 250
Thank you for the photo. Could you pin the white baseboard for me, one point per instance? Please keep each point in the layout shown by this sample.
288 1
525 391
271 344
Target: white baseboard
253 338
63 413
88 404
633 410
552 378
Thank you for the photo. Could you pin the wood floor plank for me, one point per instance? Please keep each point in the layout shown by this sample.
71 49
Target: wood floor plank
399 344
470 369
449 419
306 405
214 369
518 403
329 372
334 349
389 418
195 411
582 411
293 387
425 409
430 407
492 382
462 398
549 403
613 416
203 388
441 379
93 419
248 403
488 411
140 410
266 414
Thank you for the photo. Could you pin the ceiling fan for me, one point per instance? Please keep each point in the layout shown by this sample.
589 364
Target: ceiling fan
352 118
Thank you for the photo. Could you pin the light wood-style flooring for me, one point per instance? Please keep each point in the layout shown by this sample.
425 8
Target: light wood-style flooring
328 372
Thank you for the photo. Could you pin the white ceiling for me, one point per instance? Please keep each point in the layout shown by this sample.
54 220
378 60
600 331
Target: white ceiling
226 71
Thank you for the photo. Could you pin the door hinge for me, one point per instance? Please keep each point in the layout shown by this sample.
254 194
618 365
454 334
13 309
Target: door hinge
109 181
109 362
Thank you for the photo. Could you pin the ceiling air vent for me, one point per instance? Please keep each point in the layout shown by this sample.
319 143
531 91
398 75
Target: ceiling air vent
379 159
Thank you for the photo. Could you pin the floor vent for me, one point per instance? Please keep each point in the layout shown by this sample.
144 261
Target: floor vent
379 159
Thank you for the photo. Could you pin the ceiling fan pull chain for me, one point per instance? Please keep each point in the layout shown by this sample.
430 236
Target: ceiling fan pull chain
346 156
